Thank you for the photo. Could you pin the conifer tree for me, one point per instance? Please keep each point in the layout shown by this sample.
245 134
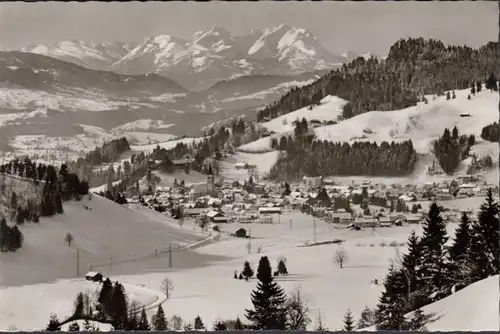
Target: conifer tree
238 325
54 324
79 306
282 268
160 322
268 300
485 235
434 238
247 270
348 321
143 321
461 242
389 314
366 319
412 263
118 306
104 298
198 323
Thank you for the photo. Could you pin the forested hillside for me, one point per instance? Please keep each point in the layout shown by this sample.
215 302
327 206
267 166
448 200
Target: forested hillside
414 67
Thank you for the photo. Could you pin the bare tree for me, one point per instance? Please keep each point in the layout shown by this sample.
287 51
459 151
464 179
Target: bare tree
176 322
167 286
320 327
340 257
68 238
297 311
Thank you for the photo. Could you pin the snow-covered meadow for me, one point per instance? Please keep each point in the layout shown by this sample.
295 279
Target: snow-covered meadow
329 289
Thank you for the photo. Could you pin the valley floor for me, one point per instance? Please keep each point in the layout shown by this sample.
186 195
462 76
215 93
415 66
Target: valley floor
212 292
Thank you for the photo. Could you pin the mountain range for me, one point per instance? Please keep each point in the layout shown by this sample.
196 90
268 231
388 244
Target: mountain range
205 58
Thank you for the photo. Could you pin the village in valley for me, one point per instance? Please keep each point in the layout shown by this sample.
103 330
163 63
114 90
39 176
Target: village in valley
206 169
223 205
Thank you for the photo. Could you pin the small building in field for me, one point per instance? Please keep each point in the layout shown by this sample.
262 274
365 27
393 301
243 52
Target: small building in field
94 276
241 233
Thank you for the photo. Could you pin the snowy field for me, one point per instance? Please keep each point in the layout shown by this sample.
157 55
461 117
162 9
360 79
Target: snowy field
166 145
110 238
329 289
330 109
263 161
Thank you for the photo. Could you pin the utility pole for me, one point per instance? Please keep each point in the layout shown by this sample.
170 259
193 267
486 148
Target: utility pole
170 255
77 263
290 223
314 230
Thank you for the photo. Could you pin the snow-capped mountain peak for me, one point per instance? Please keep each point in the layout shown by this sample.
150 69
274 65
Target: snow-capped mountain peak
206 57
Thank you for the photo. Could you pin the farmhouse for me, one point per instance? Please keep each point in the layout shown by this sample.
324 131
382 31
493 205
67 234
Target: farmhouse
94 276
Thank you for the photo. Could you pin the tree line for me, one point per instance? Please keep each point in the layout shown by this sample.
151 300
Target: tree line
413 67
304 155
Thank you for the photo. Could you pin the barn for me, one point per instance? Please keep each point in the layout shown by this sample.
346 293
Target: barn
94 276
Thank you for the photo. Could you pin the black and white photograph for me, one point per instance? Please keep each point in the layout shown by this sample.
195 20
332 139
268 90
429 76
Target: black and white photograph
319 166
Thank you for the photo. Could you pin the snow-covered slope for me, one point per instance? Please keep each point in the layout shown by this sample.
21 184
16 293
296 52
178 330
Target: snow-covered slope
329 110
474 308
110 238
422 124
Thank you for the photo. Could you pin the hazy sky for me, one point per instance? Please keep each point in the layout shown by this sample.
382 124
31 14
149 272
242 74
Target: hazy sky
340 26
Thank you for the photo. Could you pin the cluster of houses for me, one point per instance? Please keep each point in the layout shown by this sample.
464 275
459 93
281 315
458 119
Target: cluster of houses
227 202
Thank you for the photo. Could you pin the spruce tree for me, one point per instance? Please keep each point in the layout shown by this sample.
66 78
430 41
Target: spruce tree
434 238
118 306
461 242
54 324
238 325
412 262
389 314
143 321
282 268
198 323
348 321
104 298
488 227
268 300
366 318
79 307
160 322
247 270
